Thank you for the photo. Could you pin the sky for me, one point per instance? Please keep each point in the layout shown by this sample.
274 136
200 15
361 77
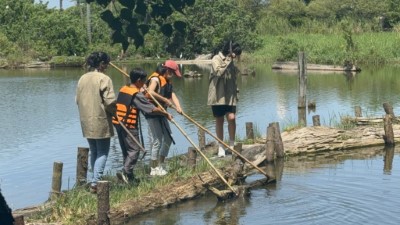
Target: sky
56 3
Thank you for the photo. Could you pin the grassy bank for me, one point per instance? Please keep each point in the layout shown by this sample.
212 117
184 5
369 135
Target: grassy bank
365 48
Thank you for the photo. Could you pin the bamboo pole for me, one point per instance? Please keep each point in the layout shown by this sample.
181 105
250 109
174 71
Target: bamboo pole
184 134
226 145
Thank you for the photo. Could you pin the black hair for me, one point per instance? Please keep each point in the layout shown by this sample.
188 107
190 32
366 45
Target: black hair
161 69
96 58
225 48
137 74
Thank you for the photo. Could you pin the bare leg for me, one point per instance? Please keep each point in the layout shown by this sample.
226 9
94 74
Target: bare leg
231 118
219 129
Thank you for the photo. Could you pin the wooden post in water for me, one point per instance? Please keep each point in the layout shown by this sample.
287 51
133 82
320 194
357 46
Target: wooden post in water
388 160
280 151
302 89
357 111
388 109
302 80
389 136
57 180
316 121
270 145
82 166
191 160
249 131
19 220
103 202
387 123
202 138
238 147
279 165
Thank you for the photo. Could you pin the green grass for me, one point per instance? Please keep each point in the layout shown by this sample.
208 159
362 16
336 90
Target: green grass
370 48
76 205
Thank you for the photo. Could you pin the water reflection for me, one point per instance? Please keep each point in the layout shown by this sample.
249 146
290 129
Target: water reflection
343 187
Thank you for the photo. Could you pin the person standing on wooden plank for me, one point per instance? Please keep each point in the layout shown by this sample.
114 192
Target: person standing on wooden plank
159 85
130 102
223 91
97 104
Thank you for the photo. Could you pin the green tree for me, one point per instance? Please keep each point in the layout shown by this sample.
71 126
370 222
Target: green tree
130 20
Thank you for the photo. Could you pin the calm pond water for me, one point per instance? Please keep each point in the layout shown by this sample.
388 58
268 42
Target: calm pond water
40 125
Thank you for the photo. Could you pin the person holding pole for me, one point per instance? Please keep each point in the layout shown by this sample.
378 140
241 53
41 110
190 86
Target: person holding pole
97 104
223 91
160 87
130 102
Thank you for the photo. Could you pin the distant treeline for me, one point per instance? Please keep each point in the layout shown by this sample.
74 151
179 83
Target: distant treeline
340 30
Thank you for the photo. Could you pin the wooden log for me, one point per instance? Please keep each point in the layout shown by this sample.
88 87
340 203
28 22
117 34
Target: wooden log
316 121
279 149
82 166
103 202
192 155
202 138
388 109
270 145
250 131
389 135
357 111
56 180
302 81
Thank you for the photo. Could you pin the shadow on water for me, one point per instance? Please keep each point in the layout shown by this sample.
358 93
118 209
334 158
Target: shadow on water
321 188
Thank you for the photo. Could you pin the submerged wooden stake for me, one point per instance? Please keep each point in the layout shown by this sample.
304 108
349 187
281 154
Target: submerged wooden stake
57 180
192 154
357 111
82 166
389 136
270 145
316 121
249 131
19 220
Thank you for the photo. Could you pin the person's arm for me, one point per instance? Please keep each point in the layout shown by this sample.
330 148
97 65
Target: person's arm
219 64
176 102
108 95
143 104
151 91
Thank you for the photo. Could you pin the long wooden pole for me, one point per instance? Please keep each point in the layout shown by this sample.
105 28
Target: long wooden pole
227 146
184 134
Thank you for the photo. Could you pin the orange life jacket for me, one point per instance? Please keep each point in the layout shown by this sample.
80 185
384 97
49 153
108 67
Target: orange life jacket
164 88
126 112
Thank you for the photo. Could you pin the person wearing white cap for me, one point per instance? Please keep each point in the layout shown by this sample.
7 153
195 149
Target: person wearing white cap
160 87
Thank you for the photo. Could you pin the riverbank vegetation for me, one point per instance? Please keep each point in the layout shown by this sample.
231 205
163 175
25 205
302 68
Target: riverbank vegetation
330 32
78 205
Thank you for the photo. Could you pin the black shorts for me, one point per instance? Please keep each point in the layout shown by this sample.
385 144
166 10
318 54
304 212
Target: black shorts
222 110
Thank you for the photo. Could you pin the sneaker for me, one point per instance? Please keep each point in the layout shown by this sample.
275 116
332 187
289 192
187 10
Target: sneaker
154 171
93 189
122 177
221 152
158 171
161 171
